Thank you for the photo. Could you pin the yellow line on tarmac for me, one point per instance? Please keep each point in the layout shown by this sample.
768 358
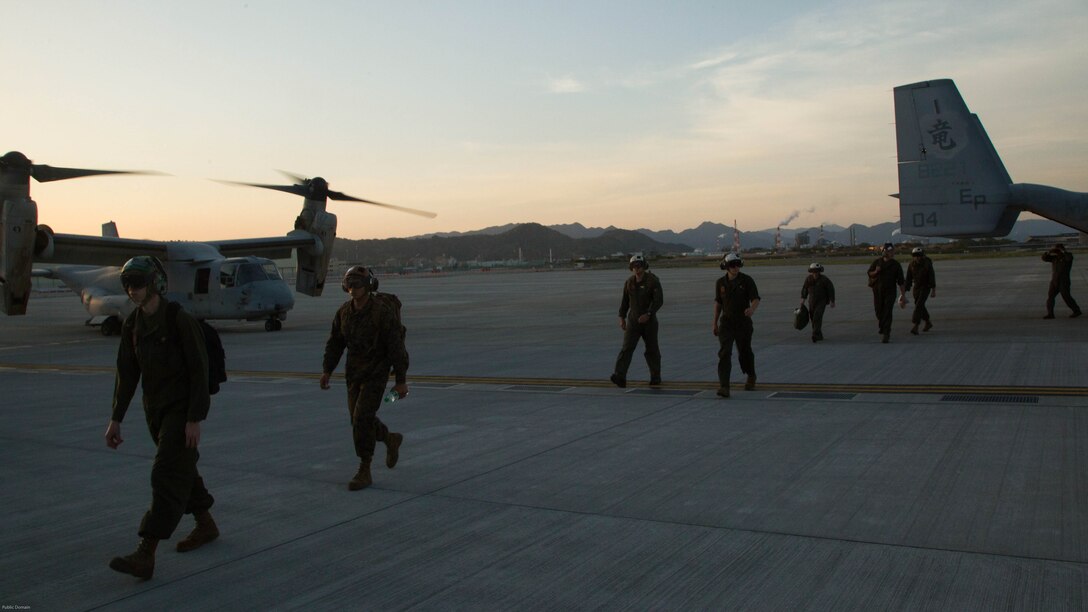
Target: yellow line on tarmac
594 383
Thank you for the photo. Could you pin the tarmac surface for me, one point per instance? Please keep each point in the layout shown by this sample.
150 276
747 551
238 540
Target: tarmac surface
944 471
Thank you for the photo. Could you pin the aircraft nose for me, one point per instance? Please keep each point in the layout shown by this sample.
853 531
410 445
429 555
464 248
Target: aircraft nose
285 298
270 296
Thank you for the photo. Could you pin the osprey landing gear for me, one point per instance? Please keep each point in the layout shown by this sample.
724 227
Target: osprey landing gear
273 325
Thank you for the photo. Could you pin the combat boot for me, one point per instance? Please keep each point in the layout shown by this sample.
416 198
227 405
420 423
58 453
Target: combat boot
140 563
750 383
928 326
914 330
618 380
204 532
362 478
392 449
723 391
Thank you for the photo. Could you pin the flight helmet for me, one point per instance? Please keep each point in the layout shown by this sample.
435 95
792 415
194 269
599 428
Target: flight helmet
815 267
144 271
638 260
730 260
359 276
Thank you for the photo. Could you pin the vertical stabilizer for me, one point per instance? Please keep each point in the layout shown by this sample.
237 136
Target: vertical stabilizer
951 181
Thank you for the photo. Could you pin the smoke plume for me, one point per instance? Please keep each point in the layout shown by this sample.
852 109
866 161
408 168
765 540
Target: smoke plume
795 214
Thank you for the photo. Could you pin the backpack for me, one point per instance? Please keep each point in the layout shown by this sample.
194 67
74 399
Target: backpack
217 357
395 301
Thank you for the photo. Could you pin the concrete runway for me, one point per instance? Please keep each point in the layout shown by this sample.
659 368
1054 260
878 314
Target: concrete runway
943 471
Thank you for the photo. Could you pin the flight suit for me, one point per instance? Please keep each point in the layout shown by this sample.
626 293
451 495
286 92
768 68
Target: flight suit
890 277
735 296
820 292
638 299
921 275
1061 264
172 366
375 344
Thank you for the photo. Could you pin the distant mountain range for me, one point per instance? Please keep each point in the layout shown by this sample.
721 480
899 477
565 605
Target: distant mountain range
516 242
534 242
715 237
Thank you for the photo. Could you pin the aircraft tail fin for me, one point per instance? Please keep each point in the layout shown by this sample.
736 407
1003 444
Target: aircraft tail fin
951 180
109 230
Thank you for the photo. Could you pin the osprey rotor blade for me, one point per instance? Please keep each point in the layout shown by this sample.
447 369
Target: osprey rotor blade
301 180
293 189
17 167
44 174
318 188
336 195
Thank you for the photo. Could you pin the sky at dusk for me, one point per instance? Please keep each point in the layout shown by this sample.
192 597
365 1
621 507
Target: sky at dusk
635 114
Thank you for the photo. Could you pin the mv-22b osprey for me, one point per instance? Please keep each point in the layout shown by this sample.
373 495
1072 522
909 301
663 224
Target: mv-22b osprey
219 279
952 182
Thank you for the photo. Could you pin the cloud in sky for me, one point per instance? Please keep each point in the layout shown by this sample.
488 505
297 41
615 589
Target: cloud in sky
613 114
807 115
565 85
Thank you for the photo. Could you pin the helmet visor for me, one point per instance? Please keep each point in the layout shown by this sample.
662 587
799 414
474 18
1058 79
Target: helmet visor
133 281
355 282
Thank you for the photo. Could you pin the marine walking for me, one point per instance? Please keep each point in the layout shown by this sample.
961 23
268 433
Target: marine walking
819 291
369 327
885 275
162 347
922 281
1061 265
642 298
736 298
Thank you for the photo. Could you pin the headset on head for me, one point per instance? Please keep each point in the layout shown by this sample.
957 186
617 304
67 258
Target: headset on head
370 282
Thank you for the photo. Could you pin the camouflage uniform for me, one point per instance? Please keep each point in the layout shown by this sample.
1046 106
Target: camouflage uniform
639 299
175 391
373 338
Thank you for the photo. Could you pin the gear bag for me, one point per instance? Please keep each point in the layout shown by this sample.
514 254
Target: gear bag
800 317
217 357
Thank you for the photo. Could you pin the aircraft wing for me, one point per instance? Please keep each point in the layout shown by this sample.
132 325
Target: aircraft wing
275 247
110 251
100 250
